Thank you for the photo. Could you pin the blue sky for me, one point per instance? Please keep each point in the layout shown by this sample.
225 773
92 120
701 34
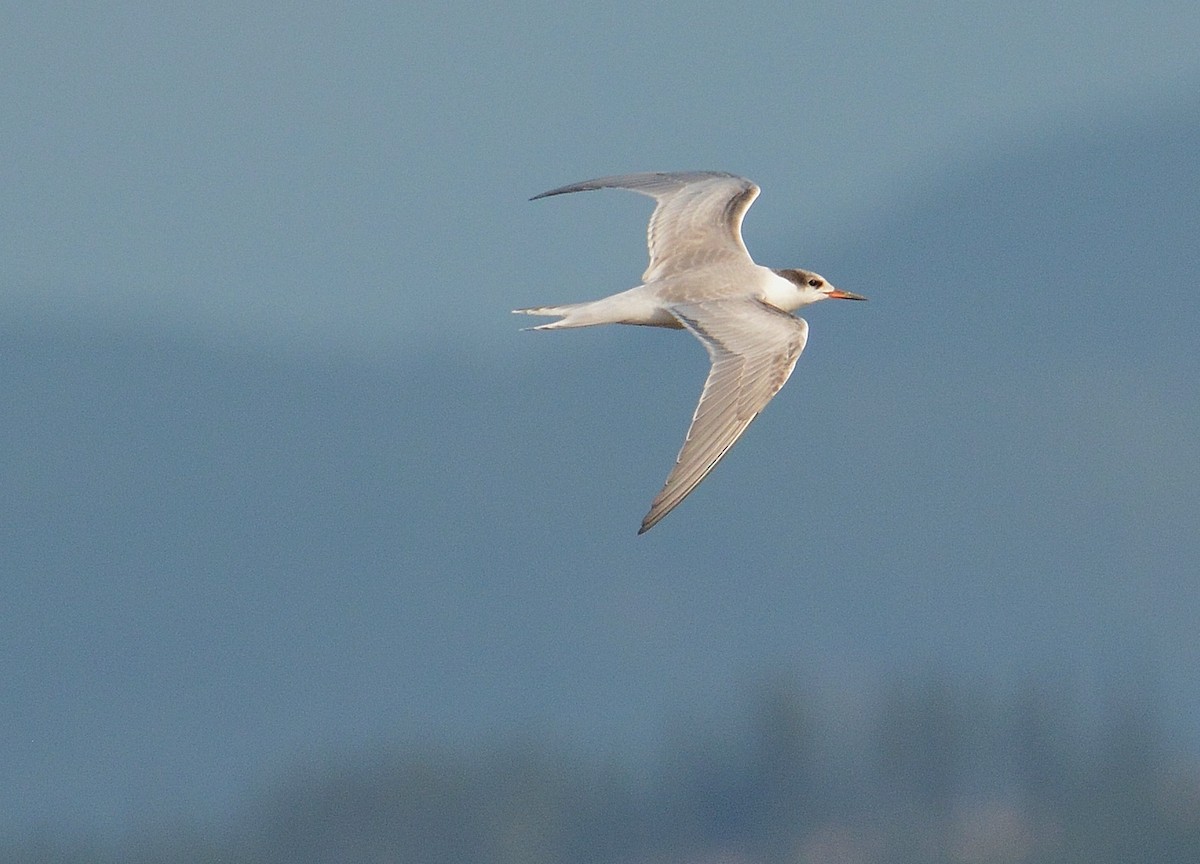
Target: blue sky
286 480
312 175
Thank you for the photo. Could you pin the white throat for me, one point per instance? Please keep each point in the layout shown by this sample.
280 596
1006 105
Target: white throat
785 294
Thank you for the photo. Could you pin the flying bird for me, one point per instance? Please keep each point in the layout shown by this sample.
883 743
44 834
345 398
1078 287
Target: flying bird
702 279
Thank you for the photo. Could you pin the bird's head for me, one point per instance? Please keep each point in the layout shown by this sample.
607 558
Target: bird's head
814 287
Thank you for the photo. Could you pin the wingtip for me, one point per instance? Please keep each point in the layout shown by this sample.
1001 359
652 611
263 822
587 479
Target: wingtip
578 187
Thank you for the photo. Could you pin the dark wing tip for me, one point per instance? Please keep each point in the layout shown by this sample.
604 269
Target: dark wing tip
585 186
647 182
655 515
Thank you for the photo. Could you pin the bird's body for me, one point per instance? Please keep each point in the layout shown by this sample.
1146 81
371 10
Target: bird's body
702 278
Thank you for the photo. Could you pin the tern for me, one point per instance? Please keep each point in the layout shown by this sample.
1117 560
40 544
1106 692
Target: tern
702 279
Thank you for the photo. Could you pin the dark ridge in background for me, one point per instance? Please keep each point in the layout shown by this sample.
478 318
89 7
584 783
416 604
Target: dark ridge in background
221 564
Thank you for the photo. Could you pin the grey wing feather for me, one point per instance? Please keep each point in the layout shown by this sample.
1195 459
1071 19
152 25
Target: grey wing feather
698 220
754 348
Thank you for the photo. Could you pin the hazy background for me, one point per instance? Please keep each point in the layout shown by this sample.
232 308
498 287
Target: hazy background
288 500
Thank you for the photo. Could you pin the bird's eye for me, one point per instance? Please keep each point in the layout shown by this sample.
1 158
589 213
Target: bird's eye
815 283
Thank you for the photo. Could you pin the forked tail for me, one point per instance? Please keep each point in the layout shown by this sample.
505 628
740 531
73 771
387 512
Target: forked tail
572 315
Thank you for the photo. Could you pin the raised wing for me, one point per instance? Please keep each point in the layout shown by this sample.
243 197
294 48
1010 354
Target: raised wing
753 347
698 219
